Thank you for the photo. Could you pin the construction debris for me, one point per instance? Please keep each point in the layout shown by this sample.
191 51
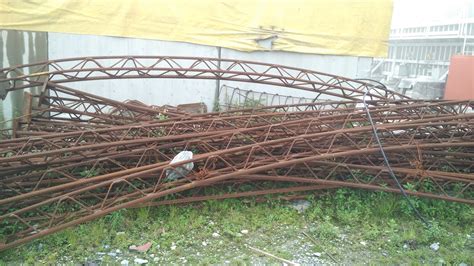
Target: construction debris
77 156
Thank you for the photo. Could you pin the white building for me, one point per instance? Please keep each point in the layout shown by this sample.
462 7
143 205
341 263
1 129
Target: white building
422 54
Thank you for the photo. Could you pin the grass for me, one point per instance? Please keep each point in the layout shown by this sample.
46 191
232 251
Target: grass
350 226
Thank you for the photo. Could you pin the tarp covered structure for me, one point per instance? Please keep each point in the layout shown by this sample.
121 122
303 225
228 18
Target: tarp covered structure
338 27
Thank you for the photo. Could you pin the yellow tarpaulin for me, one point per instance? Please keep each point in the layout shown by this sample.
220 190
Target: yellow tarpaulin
342 27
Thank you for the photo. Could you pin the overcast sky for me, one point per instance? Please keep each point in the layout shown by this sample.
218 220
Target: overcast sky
422 12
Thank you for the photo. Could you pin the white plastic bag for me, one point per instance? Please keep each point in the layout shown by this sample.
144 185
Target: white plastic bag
182 170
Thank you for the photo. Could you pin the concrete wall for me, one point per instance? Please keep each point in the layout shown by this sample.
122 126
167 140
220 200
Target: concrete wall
16 48
25 47
149 91
348 66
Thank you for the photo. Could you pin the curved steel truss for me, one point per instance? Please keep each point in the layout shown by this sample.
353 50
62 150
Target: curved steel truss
175 67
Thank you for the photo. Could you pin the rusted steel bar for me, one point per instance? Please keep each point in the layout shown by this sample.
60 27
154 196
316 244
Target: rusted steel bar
252 193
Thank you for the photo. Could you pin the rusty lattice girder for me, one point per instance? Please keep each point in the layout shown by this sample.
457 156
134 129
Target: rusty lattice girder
63 105
81 106
126 67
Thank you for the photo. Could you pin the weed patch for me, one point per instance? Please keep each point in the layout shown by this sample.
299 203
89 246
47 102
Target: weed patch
347 225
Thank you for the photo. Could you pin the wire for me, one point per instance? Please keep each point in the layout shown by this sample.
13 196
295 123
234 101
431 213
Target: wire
390 170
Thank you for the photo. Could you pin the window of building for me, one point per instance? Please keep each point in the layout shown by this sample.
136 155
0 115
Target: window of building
458 49
452 51
437 53
469 50
429 53
443 53
423 53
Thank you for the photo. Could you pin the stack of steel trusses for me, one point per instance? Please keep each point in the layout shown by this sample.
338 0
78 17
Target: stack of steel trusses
75 156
